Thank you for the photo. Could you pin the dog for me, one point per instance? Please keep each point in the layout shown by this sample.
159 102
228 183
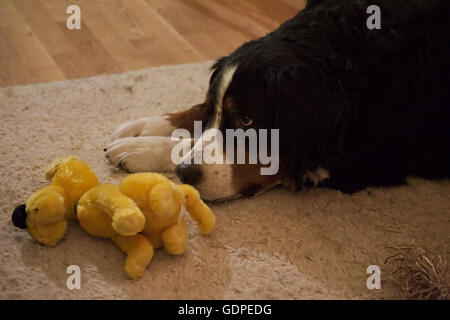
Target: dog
355 106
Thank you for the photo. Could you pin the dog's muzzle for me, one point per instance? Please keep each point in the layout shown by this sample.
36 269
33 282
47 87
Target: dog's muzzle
188 173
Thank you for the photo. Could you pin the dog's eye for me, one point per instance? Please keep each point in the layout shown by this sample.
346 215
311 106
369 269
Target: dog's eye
246 121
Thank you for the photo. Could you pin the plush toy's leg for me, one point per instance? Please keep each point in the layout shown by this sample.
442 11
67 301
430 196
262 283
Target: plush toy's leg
198 210
126 218
155 239
175 238
93 220
139 251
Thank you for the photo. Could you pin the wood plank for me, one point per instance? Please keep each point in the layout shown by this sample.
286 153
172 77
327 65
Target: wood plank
163 39
28 58
76 52
120 35
123 27
278 11
50 34
187 21
12 69
234 20
125 56
296 5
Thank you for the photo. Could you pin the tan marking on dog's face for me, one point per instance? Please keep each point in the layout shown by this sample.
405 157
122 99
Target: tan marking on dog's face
185 119
232 113
227 181
248 181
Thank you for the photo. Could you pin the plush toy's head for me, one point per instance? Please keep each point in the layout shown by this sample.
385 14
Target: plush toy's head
45 212
43 215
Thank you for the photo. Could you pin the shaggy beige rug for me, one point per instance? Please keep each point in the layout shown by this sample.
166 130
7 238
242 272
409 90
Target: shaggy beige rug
315 244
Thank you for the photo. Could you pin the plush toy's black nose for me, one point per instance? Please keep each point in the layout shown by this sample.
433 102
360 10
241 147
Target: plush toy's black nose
188 173
19 217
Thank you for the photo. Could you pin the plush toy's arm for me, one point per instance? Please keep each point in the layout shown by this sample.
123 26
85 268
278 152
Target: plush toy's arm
198 210
127 218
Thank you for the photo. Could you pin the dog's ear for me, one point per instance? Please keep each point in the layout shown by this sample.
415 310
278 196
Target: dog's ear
312 113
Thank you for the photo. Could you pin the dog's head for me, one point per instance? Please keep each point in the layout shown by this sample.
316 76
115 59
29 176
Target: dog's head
255 91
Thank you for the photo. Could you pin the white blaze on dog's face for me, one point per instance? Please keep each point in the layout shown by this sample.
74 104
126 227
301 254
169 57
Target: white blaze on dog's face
216 178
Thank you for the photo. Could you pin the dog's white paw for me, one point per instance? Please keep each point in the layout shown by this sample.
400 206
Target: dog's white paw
149 126
142 154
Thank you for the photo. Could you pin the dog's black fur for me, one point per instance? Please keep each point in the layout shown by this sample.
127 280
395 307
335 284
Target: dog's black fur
371 106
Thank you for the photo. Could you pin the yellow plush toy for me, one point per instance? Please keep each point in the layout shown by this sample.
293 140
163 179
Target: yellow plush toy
145 211
105 211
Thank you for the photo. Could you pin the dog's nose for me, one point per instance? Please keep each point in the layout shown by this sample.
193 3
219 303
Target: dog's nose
188 173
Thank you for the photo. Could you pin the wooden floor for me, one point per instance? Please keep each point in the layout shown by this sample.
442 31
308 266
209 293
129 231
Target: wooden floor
121 35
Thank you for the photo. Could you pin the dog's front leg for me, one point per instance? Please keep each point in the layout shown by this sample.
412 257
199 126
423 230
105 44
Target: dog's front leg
143 127
162 125
146 145
143 154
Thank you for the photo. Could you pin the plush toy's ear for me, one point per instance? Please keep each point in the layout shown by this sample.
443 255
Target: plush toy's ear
53 167
19 217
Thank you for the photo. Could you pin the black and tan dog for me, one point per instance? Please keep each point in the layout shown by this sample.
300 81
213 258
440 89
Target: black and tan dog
354 106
